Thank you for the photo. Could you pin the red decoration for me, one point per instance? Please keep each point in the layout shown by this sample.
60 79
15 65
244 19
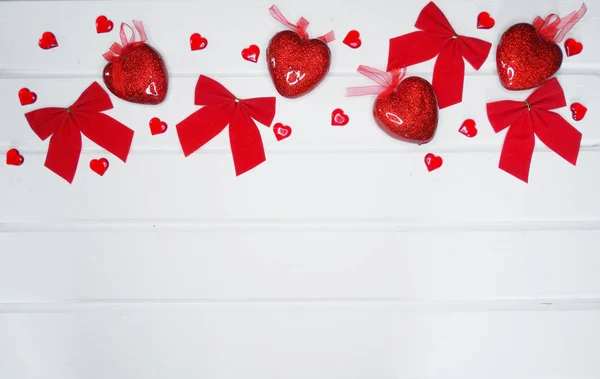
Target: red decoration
157 126
14 158
99 166
27 97
468 128
103 25
281 131
251 53
339 118
528 55
221 108
437 38
485 21
530 118
578 111
135 72
197 42
433 162
572 47
353 39
48 41
66 125
296 63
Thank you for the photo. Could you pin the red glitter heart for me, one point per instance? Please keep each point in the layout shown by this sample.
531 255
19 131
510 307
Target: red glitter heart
485 21
14 158
409 112
103 25
433 162
468 128
197 42
524 59
48 41
251 53
99 166
339 118
282 131
27 97
297 65
572 47
157 126
138 75
353 39
578 111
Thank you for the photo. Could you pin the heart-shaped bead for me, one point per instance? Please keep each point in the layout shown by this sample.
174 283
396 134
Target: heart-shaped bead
48 41
157 126
197 42
433 162
281 131
572 47
578 111
485 21
297 65
339 118
27 97
251 53
352 39
14 158
103 25
468 128
99 166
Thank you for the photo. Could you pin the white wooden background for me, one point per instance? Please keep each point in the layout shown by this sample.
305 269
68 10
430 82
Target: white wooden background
340 257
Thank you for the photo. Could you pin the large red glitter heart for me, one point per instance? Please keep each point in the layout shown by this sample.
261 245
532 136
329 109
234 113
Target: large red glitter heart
297 65
137 75
524 59
409 112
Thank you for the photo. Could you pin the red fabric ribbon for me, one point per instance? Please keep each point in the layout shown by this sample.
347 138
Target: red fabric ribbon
116 49
222 108
438 38
531 118
300 27
65 125
554 29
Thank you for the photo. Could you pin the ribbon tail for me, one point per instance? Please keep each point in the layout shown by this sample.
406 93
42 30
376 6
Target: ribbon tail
503 114
366 90
413 48
202 126
517 151
64 150
262 109
449 76
246 143
107 133
556 133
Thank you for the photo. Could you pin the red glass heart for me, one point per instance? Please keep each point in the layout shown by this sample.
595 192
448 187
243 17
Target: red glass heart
339 118
468 128
433 162
103 25
251 53
352 39
14 158
485 21
197 42
27 97
48 41
282 131
157 126
297 65
99 166
578 111
572 47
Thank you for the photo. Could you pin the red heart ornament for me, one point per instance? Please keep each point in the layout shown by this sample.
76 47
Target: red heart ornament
282 131
99 166
468 128
352 39
14 158
251 53
339 118
48 41
524 59
485 21
197 42
433 162
297 65
157 126
103 25
27 97
578 111
572 47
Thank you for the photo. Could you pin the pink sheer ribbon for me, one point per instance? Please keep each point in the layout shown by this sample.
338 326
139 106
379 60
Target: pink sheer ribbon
385 81
554 29
300 27
116 48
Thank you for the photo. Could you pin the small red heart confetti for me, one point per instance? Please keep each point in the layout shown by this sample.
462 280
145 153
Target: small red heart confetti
27 97
282 131
339 118
251 53
485 21
157 126
578 111
352 39
99 166
572 47
468 128
103 25
433 162
48 41
197 42
13 157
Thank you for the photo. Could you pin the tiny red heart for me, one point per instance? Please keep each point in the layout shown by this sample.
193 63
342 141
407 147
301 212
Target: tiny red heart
197 42
572 47
281 131
339 118
485 21
352 39
103 24
13 157
48 41
468 128
27 97
433 162
99 166
578 111
251 53
157 126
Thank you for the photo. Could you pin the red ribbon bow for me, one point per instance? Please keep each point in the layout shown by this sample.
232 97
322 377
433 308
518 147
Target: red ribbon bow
299 27
65 125
438 38
222 108
529 118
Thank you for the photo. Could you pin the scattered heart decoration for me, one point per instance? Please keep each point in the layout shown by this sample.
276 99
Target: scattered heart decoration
468 128
573 47
578 111
14 158
281 131
485 21
433 162
27 97
339 118
103 24
99 166
352 39
197 42
157 126
48 41
251 53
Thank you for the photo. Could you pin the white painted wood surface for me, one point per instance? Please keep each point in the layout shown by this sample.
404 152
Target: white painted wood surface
340 257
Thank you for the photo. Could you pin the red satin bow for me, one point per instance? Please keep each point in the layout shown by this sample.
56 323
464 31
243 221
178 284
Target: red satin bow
65 125
438 38
529 118
221 108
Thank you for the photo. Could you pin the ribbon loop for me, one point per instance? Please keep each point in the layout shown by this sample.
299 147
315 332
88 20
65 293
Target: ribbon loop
554 29
116 49
300 27
385 81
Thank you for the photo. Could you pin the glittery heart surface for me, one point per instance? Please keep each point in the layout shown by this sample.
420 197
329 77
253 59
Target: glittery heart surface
138 75
297 65
524 59
409 112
